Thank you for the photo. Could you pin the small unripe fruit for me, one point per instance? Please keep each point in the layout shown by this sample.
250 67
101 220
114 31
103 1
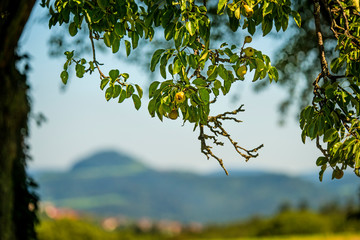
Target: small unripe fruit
249 51
338 173
249 11
173 114
180 97
241 71
248 39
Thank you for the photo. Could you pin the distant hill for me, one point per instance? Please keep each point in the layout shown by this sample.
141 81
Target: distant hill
111 183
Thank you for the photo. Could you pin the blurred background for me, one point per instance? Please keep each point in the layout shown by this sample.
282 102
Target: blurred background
102 160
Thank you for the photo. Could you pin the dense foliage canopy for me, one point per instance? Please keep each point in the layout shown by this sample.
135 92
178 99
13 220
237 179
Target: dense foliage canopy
196 70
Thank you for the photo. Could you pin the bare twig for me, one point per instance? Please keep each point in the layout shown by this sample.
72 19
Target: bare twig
214 125
205 149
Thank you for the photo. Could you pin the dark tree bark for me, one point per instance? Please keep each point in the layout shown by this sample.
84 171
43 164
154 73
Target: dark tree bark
16 219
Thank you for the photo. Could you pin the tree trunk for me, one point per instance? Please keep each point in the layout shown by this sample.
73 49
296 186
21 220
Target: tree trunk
14 110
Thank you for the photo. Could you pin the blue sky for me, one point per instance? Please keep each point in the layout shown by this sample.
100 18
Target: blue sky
81 122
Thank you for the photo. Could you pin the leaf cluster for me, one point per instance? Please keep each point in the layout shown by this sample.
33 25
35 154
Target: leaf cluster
192 66
335 110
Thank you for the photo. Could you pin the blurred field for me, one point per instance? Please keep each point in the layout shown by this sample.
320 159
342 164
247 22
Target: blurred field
285 225
65 229
313 237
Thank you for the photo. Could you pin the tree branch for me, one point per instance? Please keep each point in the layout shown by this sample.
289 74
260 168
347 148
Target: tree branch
214 124
323 62
93 52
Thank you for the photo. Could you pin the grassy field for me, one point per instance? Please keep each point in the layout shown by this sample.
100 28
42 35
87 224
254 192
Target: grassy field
302 225
313 237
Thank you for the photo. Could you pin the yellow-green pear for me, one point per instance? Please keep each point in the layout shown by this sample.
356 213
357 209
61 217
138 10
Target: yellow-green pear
241 71
249 11
248 39
249 52
173 114
180 97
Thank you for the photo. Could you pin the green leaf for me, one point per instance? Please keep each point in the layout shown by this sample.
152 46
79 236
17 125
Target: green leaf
284 22
115 46
103 83
139 90
217 84
178 37
117 90
234 58
125 76
296 17
273 74
215 91
64 76
204 55
200 82
321 125
336 64
191 27
266 26
160 112
169 31
237 13
69 55
153 86
212 73
256 75
251 26
267 9
109 93
321 174
114 74
122 95
226 88
151 107
177 66
221 6
357 155
223 73
119 29
128 47
80 70
204 95
129 90
182 57
140 28
156 58
134 40
192 61
73 29
163 63
107 40
312 131
277 25
303 136
329 135
167 17
103 4
166 84
321 161
309 112
137 101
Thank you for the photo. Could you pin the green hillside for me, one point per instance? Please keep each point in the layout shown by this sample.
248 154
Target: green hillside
111 183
